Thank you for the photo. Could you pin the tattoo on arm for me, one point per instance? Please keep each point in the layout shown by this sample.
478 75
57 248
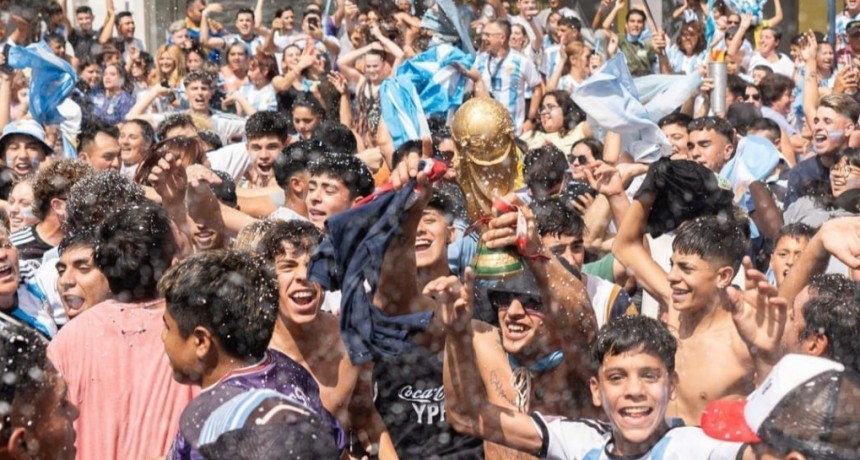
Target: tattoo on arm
500 389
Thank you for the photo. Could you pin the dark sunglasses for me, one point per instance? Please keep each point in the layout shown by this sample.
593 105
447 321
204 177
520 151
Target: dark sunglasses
754 97
577 159
502 301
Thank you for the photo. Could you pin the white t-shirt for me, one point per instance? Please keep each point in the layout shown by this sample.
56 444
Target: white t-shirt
585 439
233 159
783 66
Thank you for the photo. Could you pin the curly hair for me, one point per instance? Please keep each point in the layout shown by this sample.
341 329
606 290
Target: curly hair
55 181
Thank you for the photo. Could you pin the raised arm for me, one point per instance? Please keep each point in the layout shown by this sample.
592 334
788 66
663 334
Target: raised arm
107 29
777 13
5 94
733 48
467 406
138 109
388 45
346 63
205 38
258 14
610 18
630 250
558 72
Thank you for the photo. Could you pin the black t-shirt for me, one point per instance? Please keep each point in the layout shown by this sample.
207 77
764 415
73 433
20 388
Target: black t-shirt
84 43
410 397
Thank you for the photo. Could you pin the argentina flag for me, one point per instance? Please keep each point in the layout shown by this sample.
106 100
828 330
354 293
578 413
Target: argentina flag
439 84
51 81
401 110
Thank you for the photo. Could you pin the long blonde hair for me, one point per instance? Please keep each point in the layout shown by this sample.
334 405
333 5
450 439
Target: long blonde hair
572 49
174 79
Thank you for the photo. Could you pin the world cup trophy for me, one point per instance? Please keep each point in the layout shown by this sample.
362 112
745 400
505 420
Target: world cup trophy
489 166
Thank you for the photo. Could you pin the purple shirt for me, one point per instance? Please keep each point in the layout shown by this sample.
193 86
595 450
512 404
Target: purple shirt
275 372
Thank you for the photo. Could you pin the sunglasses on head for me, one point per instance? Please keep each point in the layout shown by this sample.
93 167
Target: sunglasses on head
502 301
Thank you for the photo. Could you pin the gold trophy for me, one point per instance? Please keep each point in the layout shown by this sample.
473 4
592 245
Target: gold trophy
489 166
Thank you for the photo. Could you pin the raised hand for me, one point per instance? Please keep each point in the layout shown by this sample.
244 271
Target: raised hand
759 314
454 300
841 238
338 81
604 178
169 179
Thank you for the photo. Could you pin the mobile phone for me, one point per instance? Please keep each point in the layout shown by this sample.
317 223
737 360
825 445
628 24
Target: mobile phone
314 22
6 68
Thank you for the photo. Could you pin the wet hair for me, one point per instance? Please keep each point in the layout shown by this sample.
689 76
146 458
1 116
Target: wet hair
796 231
443 202
97 196
251 235
346 168
834 311
267 123
177 120
402 152
210 139
91 129
295 158
543 169
337 136
675 118
225 192
202 76
55 181
24 365
570 21
302 235
632 334
554 217
232 294
720 125
87 236
309 102
773 87
765 124
741 114
593 144
188 149
717 240
136 246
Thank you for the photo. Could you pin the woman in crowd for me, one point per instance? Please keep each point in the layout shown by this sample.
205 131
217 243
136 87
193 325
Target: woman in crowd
562 122
234 72
135 141
20 208
307 113
113 99
259 93
574 71
688 52
91 72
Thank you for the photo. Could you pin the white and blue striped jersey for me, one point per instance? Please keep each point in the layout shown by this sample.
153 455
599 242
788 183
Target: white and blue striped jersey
551 59
251 46
585 439
842 21
681 63
507 79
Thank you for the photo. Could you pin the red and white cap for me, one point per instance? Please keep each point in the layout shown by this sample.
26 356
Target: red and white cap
740 420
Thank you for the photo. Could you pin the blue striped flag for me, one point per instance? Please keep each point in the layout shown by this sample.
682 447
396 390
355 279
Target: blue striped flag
439 84
401 110
51 81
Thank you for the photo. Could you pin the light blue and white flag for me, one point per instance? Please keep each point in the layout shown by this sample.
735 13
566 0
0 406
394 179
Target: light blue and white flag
611 101
401 110
439 84
51 81
754 160
754 7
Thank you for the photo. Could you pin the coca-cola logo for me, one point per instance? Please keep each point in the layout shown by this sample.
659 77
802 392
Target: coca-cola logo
409 393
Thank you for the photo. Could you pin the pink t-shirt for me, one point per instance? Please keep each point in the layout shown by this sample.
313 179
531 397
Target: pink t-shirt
118 375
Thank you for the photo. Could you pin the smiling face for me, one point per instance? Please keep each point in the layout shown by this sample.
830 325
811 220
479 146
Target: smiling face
635 24
91 74
81 284
21 207
493 38
522 323
518 37
291 58
373 64
551 116
824 57
126 28
767 42
103 153
85 21
830 131
166 63
245 24
111 79
431 241
678 139
132 145
8 267
634 389
326 197
844 177
695 283
299 299
23 154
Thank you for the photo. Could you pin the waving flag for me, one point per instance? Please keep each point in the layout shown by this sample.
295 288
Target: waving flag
755 159
434 74
401 111
51 81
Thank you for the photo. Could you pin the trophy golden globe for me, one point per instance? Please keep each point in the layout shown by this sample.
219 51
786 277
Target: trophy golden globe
489 166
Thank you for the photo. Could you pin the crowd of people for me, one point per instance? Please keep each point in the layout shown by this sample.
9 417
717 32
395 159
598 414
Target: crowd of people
465 229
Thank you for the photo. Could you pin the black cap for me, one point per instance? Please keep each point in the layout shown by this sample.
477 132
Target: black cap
852 28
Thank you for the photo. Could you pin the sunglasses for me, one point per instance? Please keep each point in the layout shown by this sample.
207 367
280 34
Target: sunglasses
754 97
577 159
503 300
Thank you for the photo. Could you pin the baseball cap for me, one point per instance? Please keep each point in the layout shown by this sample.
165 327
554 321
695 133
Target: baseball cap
807 404
27 127
852 28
